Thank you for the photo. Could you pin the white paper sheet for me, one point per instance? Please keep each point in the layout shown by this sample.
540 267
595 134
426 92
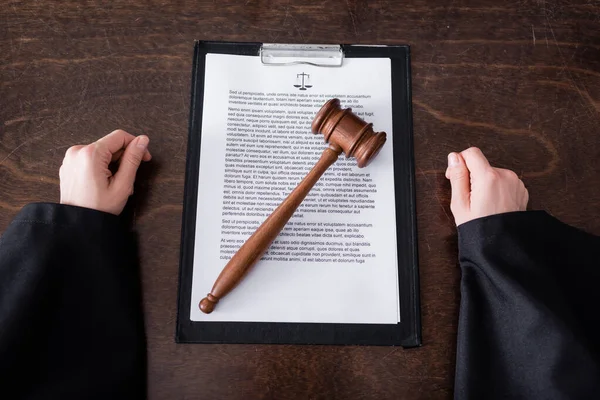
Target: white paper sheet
362 289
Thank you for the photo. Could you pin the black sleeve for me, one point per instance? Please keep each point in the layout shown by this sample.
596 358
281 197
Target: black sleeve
71 323
529 326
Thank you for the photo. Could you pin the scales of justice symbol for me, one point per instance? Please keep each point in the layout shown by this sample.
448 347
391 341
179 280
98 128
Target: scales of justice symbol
303 81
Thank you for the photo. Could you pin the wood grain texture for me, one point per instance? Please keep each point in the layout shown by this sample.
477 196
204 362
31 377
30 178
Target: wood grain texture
520 79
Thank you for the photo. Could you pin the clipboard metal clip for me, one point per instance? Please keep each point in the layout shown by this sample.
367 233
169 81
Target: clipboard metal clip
319 55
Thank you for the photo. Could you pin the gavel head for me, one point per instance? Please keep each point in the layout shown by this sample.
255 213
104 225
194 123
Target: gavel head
345 129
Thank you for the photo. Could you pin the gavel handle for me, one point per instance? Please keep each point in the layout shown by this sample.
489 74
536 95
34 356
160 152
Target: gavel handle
260 240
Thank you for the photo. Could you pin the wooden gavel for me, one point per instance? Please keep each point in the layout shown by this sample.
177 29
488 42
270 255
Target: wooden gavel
345 132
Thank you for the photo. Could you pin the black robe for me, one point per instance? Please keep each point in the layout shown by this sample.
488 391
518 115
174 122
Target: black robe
71 323
529 325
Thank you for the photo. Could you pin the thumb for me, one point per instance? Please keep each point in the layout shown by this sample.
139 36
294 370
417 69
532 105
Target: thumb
130 161
458 174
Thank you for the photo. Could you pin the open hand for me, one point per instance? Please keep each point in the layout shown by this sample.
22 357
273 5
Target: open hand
86 181
479 190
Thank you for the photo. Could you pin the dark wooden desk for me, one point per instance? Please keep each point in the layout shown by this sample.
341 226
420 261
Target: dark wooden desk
520 79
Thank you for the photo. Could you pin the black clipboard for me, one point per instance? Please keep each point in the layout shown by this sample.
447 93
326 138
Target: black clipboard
406 333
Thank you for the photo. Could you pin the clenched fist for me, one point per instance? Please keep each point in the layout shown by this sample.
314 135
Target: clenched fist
479 190
86 181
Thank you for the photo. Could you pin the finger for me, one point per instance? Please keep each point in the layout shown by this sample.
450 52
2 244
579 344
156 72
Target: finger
73 150
118 154
129 164
458 174
508 174
147 156
475 160
524 195
116 140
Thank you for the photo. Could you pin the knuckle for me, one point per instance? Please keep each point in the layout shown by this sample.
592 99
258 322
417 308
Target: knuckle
509 174
118 131
491 175
85 156
460 175
71 151
134 159
458 178
473 150
88 151
121 133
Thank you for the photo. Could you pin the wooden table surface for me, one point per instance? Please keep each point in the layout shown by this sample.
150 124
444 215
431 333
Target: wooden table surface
519 79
